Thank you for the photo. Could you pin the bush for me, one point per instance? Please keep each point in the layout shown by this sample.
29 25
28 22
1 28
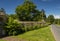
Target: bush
14 27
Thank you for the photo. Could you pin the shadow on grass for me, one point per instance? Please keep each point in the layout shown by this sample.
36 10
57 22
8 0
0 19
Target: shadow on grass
22 32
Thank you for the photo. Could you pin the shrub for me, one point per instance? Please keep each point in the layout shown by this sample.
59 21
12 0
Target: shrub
13 27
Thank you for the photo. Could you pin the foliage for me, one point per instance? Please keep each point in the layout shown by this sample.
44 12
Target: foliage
51 19
43 14
12 27
57 21
14 16
28 12
25 12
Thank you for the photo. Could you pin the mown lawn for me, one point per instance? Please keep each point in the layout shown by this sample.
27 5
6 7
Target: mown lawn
2 40
42 34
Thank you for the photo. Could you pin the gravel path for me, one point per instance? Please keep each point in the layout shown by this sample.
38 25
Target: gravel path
56 32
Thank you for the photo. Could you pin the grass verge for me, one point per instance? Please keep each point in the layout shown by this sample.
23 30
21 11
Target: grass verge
2 40
42 34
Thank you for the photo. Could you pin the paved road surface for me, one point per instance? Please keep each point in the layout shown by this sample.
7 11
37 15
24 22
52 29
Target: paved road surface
56 32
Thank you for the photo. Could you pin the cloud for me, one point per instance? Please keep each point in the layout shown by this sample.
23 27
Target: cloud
57 16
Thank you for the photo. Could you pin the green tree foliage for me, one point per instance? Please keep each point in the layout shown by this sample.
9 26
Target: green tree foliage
12 27
43 16
51 19
57 21
14 16
28 12
37 16
24 11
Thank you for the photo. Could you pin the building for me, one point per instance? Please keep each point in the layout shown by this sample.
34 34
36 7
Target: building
3 19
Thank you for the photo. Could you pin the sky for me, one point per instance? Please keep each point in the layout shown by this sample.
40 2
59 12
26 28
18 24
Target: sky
50 6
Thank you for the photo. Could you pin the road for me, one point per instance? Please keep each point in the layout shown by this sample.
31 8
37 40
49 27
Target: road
56 32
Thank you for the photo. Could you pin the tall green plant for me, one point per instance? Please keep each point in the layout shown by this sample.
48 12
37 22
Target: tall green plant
12 26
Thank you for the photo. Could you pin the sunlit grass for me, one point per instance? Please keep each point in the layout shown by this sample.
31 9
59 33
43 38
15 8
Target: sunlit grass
42 34
2 40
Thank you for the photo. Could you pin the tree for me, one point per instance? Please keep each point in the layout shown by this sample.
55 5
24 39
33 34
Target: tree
43 16
51 19
57 21
24 11
37 15
2 9
14 16
28 12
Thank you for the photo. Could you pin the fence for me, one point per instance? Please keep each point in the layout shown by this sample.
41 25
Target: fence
32 25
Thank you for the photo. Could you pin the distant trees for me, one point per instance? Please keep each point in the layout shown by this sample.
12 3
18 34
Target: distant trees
50 19
27 12
57 21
